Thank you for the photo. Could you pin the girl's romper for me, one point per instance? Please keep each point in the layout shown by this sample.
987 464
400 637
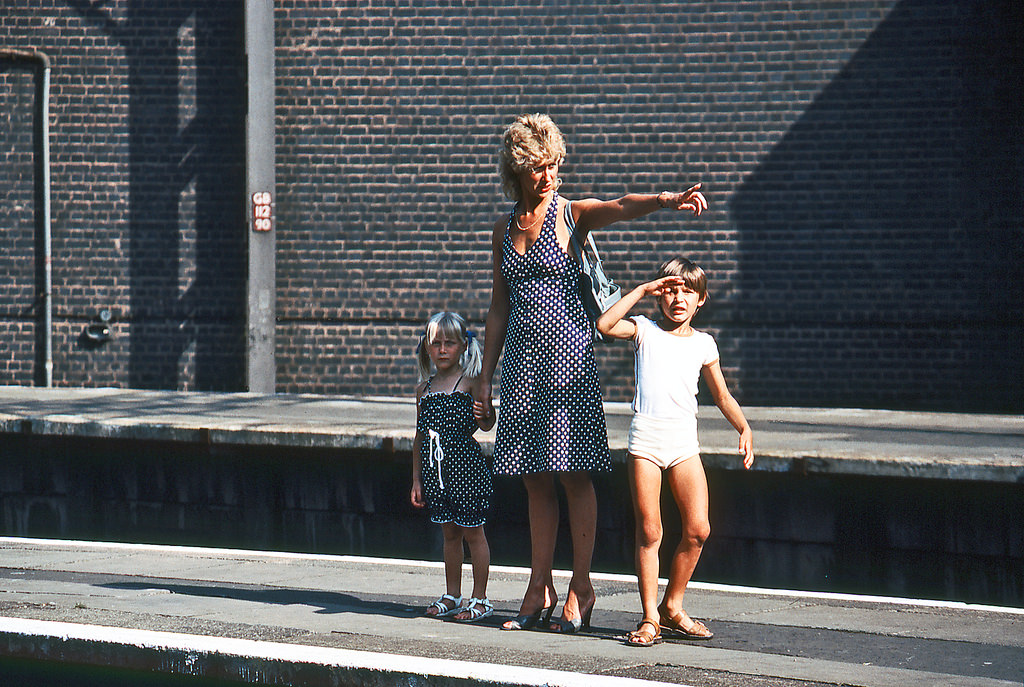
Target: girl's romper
551 417
456 479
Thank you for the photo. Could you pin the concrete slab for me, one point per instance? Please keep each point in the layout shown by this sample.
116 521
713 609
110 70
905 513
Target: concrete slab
371 608
806 440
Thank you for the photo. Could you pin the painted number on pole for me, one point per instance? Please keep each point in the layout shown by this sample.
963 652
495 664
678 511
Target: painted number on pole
261 213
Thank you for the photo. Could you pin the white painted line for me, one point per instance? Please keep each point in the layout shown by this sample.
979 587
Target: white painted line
291 653
611 577
859 598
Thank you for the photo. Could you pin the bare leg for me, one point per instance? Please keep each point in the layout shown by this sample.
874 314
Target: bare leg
453 556
582 502
690 489
543 510
480 552
645 488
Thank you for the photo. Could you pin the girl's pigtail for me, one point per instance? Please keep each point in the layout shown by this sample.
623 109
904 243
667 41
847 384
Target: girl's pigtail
473 356
423 358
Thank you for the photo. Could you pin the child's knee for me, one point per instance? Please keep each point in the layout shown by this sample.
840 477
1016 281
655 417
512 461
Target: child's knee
474 535
649 534
696 533
452 533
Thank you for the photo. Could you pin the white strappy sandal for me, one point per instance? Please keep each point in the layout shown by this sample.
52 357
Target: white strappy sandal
478 609
442 608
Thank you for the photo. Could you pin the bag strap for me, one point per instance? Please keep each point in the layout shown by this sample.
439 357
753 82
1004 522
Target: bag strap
574 240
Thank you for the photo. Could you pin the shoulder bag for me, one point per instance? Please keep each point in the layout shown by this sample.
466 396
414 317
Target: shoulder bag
597 291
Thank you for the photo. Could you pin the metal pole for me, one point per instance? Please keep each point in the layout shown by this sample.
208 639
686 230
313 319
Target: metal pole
261 288
47 231
41 63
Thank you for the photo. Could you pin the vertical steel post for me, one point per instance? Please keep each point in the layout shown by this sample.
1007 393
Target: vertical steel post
261 288
40 63
44 123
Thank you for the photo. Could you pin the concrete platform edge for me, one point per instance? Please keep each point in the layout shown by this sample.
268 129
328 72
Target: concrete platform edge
265 662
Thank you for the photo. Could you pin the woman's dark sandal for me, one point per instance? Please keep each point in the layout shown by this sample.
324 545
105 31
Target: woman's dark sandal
526 621
573 625
639 637
673 627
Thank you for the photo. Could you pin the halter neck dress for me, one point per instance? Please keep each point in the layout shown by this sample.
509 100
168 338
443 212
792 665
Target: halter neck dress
456 479
551 418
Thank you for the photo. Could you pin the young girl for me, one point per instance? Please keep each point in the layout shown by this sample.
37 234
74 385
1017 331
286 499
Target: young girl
670 356
454 481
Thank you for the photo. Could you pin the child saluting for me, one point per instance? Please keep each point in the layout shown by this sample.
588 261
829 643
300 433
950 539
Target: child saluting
670 357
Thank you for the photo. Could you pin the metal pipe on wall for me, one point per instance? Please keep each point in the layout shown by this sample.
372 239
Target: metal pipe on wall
41 64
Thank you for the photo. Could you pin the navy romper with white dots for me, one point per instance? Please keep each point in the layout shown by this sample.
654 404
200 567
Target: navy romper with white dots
456 479
551 418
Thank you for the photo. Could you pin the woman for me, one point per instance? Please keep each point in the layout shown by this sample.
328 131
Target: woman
551 420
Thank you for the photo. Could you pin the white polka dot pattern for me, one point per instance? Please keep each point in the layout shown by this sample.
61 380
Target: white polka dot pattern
460 490
551 417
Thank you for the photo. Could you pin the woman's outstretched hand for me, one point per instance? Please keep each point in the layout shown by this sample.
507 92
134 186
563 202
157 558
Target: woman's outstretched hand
691 199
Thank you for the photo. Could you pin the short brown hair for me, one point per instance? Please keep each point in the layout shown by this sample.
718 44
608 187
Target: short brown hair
691 273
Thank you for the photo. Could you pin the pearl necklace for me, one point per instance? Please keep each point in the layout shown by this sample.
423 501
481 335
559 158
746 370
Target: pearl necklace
531 226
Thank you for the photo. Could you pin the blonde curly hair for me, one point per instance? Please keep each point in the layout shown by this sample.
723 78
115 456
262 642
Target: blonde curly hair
529 141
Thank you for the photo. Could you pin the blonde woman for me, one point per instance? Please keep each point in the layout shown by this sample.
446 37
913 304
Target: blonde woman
551 420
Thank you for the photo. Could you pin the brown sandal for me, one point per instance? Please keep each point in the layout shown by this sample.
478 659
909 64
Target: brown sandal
673 627
640 638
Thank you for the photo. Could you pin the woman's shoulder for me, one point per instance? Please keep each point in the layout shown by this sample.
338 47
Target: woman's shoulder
501 222
500 228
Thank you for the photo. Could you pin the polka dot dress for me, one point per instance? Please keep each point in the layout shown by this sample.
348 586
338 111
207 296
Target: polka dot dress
551 417
456 479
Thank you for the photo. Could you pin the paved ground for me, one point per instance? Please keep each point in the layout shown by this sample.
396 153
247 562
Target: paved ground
372 605
59 598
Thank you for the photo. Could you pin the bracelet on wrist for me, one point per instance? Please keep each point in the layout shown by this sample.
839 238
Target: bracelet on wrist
660 203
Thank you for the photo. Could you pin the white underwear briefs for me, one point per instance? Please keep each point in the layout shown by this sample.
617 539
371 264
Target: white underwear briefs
663 442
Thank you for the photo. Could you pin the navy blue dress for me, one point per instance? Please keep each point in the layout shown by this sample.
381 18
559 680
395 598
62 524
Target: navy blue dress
551 418
457 482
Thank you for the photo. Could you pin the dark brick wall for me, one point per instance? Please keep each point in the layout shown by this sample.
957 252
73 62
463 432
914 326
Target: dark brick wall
146 125
862 159
17 224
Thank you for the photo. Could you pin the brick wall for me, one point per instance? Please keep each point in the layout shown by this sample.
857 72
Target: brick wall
862 159
19 278
146 158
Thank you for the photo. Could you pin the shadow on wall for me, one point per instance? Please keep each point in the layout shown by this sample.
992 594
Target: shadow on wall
187 245
880 241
